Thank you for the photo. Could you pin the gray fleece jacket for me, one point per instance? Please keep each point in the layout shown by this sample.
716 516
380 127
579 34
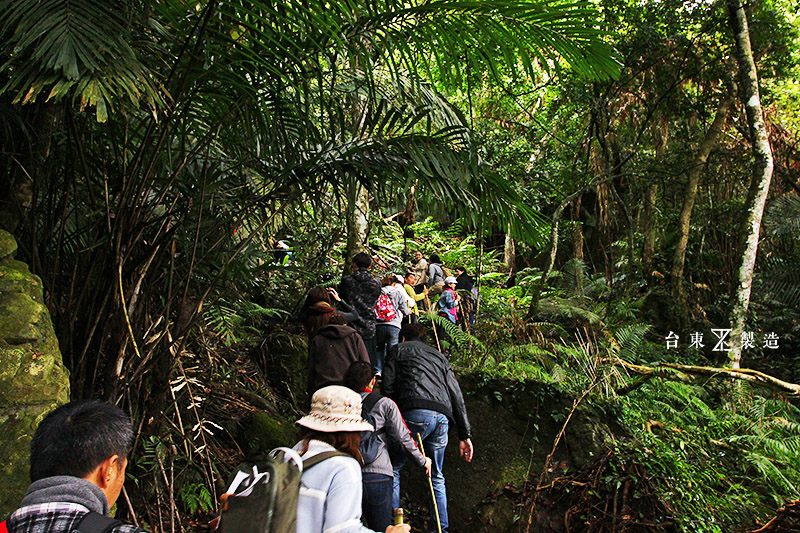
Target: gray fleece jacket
387 417
399 299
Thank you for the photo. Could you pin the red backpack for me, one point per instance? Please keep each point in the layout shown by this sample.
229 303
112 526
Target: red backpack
384 308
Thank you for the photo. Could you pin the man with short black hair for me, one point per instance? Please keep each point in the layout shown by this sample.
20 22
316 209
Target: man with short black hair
79 454
390 429
422 383
361 290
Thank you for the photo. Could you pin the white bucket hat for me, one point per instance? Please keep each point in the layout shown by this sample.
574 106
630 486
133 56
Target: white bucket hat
450 279
335 408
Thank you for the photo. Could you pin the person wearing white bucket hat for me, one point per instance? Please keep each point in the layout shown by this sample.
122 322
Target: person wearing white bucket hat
330 493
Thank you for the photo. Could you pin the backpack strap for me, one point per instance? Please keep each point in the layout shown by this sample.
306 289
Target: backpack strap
317 459
367 405
96 523
369 402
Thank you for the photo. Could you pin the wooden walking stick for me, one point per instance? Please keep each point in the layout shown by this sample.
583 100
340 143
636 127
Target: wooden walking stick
435 333
430 484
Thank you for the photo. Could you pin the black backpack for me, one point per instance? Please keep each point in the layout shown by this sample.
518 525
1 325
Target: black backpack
370 443
262 494
92 522
96 523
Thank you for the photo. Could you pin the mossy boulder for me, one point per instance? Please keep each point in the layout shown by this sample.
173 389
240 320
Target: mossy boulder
261 432
33 379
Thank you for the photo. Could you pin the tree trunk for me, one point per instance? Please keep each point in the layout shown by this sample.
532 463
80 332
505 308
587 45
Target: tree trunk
650 215
577 245
509 251
762 175
684 221
357 222
649 229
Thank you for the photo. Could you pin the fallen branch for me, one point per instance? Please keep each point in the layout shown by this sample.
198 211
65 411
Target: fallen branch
787 519
746 374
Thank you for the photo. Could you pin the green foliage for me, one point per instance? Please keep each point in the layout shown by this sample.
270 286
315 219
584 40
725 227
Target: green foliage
234 322
78 47
196 498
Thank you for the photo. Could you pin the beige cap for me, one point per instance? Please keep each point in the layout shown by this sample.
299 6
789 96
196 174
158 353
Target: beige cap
335 408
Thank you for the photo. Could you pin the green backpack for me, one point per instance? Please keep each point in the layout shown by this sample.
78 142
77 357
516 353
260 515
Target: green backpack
262 493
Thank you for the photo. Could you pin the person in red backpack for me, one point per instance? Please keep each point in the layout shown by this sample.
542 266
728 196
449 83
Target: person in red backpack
79 454
390 309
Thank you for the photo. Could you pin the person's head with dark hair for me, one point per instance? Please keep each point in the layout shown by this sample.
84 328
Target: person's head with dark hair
387 280
460 270
315 295
86 439
359 377
413 332
362 260
317 316
435 258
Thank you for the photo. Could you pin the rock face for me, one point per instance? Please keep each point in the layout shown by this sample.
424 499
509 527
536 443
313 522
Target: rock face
33 379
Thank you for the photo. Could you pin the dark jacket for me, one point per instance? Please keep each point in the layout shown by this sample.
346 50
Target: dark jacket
417 376
465 283
56 505
331 352
361 291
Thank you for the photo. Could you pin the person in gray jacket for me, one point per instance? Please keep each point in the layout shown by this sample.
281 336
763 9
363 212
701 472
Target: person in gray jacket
387 332
390 429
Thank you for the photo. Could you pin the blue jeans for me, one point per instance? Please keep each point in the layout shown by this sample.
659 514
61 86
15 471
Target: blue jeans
376 501
432 426
386 336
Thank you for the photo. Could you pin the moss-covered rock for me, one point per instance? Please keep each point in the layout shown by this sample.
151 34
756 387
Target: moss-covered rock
7 244
33 379
260 432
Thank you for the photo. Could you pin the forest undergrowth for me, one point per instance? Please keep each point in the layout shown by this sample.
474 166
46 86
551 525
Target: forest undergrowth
686 453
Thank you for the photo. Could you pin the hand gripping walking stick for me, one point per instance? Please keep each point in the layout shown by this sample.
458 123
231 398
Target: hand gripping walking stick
430 484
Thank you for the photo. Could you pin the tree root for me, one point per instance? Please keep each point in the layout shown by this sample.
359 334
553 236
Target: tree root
684 371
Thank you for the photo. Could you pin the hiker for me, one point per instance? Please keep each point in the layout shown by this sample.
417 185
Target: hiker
408 285
422 383
318 307
78 458
390 309
390 429
435 281
331 352
330 493
361 290
447 306
466 285
420 271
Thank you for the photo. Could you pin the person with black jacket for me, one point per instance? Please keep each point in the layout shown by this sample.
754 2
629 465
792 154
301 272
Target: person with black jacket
361 290
466 285
422 383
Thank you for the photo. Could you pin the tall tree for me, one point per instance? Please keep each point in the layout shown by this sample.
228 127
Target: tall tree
689 198
761 175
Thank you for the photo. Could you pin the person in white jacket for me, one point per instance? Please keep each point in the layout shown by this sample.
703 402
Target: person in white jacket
330 493
387 330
